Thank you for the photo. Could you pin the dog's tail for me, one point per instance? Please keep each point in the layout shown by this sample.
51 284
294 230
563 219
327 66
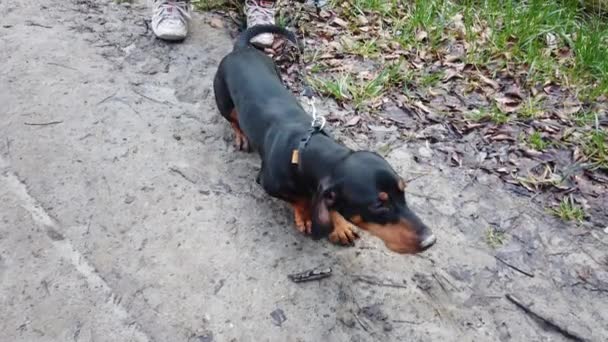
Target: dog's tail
243 40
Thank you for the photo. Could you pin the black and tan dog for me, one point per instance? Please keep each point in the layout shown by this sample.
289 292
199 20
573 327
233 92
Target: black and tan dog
330 186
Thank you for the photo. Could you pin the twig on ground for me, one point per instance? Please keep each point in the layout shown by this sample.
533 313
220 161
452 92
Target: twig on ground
548 321
420 175
529 274
8 148
360 322
189 177
150 99
31 23
375 281
42 123
356 314
61 65
423 196
405 321
309 275
106 98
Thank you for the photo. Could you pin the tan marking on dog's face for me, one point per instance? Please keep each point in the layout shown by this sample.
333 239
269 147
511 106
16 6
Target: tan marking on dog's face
399 237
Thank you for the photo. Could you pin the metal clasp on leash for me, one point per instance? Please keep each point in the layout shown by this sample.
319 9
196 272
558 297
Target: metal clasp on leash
318 121
316 126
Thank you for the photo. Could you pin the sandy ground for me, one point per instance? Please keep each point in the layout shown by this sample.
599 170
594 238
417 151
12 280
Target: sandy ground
126 214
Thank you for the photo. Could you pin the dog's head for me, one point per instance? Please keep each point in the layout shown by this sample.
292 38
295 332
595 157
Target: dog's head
366 190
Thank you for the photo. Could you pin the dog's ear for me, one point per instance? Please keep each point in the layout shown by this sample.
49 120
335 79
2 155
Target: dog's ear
324 199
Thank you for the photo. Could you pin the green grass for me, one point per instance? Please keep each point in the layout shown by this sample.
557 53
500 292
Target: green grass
397 76
531 109
567 210
532 41
583 119
528 34
367 91
365 49
495 238
431 79
536 141
345 87
595 148
208 5
493 114
335 87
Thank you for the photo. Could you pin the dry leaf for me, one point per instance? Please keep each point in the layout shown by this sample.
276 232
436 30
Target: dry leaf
514 92
421 35
277 43
421 106
417 65
324 14
489 82
340 22
551 40
216 23
452 58
353 121
569 108
456 160
531 153
451 74
458 24
508 103
502 137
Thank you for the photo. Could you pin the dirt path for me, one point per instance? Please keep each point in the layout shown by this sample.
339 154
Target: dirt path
126 214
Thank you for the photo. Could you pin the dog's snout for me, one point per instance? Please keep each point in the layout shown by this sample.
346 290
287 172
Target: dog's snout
427 241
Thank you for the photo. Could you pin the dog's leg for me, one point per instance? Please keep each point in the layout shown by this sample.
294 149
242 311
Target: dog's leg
240 139
222 95
228 111
344 232
302 216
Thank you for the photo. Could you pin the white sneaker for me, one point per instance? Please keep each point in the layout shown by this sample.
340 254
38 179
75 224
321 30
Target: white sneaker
260 12
170 19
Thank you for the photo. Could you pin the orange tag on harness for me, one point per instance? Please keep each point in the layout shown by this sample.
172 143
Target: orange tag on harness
295 157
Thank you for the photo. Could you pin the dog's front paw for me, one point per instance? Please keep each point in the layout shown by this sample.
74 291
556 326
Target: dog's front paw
343 236
344 232
301 216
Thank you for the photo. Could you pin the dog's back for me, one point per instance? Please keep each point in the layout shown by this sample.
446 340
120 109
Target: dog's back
248 82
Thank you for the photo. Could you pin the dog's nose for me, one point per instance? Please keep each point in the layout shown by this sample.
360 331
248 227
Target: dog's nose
427 242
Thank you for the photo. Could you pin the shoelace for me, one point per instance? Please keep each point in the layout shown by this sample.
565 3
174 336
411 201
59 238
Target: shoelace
165 9
258 13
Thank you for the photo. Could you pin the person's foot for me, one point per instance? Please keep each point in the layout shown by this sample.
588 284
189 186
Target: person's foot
260 12
170 19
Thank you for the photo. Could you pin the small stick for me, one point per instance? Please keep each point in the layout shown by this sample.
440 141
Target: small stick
150 99
374 281
360 322
61 65
42 123
106 98
310 275
529 274
550 322
31 23
415 194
